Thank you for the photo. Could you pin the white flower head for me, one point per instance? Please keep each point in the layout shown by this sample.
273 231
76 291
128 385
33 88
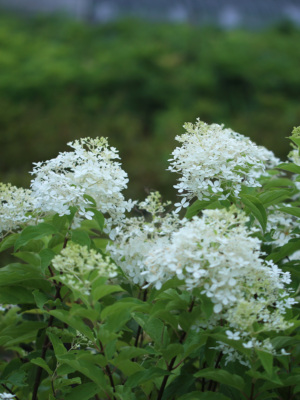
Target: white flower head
135 238
15 207
89 170
217 161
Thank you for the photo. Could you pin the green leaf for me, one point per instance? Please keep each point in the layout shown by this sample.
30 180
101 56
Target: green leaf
8 242
81 237
29 257
83 392
277 182
59 222
101 291
17 378
101 243
18 273
40 298
272 197
287 249
75 322
16 295
291 167
221 376
41 363
59 348
34 232
87 368
291 210
144 376
196 207
266 360
23 333
255 206
90 200
172 350
204 396
46 256
98 217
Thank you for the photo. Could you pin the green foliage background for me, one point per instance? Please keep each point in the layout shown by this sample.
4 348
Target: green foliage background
137 83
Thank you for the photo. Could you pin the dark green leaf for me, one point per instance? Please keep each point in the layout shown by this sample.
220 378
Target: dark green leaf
291 210
255 206
81 237
289 167
42 363
203 396
101 291
8 242
98 217
83 392
34 232
16 295
221 376
285 250
29 257
144 376
272 197
266 360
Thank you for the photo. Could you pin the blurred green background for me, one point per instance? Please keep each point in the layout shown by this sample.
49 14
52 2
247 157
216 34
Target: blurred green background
136 83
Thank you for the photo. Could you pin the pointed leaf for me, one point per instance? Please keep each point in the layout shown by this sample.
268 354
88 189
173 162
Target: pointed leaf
257 209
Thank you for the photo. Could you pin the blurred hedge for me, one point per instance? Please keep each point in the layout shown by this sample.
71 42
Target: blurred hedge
137 83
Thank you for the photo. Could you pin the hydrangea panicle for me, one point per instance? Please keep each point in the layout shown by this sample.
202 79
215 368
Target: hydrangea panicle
15 208
214 160
76 263
138 235
218 254
89 170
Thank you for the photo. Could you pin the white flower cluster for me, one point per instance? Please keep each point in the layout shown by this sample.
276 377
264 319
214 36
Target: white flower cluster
230 354
218 254
89 170
295 156
214 160
282 226
138 235
15 207
6 396
77 263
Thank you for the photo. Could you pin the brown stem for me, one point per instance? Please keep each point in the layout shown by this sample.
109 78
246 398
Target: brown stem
252 391
171 365
212 384
46 340
139 331
108 371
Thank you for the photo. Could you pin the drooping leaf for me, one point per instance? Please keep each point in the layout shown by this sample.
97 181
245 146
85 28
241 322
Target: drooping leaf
221 376
83 392
34 232
144 376
255 206
266 360
81 237
287 249
101 291
291 210
41 363
291 167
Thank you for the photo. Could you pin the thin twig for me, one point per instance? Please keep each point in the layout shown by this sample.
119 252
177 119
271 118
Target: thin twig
10 391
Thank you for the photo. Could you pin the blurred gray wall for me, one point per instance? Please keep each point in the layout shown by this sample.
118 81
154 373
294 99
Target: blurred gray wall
226 13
